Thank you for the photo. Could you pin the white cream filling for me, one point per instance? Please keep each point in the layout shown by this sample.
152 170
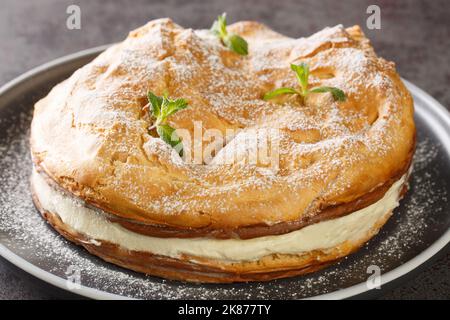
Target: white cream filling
322 235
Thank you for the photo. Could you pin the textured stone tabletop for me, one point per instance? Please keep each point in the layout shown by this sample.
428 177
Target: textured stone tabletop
414 34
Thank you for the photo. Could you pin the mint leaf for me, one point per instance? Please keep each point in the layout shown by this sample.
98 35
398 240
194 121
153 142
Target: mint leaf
302 73
236 44
338 94
161 108
272 94
155 104
231 41
222 21
175 106
169 135
216 29
219 27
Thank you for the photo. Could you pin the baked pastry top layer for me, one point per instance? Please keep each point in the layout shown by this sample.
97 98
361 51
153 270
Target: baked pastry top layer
91 137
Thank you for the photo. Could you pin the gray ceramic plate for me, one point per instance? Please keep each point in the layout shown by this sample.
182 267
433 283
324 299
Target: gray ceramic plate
418 230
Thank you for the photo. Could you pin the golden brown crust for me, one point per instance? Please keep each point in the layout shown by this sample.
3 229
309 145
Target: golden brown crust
90 137
194 269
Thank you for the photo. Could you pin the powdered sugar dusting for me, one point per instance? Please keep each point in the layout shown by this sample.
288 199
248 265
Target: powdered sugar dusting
322 140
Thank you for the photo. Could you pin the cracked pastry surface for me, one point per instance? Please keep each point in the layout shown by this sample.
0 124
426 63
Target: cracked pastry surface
90 138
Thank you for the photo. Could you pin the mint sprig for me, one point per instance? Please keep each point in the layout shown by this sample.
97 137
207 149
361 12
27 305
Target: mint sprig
302 74
160 108
231 40
338 94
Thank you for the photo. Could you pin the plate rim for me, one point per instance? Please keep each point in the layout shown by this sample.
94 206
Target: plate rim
406 268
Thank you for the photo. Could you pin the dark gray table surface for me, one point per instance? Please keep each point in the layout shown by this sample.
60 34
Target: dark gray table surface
414 34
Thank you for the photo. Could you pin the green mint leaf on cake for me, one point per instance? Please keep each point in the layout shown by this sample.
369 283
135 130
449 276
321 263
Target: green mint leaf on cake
236 44
170 107
338 94
169 135
302 74
272 94
155 104
232 41
160 109
219 27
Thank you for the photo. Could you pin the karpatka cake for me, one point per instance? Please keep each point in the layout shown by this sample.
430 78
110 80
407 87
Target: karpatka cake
107 177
